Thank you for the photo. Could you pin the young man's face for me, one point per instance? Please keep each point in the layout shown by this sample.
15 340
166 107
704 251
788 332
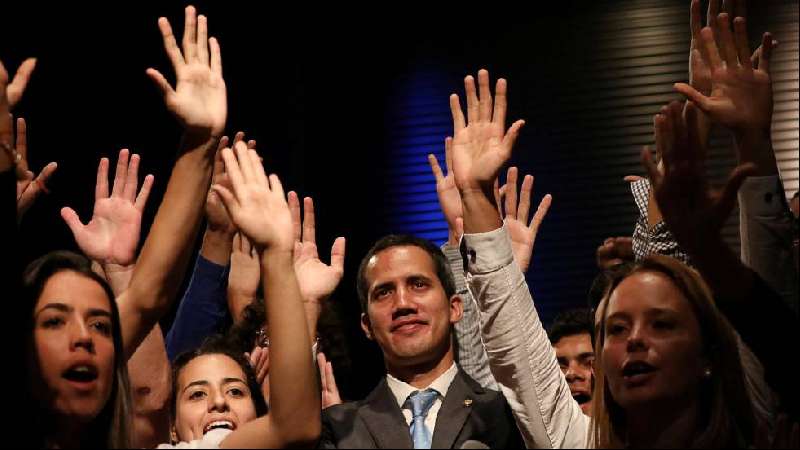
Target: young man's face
576 358
408 312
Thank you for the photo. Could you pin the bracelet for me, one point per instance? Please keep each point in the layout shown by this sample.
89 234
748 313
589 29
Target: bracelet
15 155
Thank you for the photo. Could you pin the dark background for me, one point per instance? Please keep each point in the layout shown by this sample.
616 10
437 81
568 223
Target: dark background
333 97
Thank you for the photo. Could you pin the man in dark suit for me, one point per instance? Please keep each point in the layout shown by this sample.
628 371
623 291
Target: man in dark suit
409 303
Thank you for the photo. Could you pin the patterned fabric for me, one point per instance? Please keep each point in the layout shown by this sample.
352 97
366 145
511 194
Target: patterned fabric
656 240
421 402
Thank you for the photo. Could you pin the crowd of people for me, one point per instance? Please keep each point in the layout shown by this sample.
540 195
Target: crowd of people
680 344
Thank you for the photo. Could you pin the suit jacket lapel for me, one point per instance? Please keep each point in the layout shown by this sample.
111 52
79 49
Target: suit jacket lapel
455 410
384 419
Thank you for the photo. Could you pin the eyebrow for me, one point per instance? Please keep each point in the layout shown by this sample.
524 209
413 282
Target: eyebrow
206 383
64 308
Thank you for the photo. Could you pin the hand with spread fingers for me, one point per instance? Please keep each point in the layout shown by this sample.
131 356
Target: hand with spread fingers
29 185
317 279
199 99
12 92
740 97
256 203
522 233
446 190
693 212
481 147
112 235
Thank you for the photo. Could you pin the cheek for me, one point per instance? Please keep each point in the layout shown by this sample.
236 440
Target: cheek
245 409
188 416
48 349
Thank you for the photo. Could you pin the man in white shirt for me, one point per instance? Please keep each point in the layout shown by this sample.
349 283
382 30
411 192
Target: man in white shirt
410 307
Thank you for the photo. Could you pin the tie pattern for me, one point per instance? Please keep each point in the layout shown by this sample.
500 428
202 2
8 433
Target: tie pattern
420 403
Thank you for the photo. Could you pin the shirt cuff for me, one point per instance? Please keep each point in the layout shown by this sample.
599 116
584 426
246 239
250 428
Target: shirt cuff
763 196
456 261
487 252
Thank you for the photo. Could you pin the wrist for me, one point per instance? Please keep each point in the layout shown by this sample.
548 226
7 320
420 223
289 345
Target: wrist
480 214
754 145
111 269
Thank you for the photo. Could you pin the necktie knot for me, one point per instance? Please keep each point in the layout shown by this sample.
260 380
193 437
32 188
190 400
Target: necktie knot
421 402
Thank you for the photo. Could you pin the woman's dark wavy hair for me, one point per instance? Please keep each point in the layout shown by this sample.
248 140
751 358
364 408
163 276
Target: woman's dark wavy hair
218 345
112 427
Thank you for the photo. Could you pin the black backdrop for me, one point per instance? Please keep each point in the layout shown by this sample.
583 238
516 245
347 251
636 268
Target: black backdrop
314 88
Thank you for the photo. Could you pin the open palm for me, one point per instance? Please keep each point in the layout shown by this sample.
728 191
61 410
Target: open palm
112 235
481 145
199 99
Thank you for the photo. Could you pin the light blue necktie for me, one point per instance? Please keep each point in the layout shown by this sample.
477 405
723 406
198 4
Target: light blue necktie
420 403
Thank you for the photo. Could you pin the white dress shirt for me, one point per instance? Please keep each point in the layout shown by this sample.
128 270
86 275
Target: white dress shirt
402 390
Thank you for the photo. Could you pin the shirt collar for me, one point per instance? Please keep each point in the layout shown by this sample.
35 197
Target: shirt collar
401 390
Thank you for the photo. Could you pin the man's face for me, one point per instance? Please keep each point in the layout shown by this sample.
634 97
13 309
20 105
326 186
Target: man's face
408 312
576 359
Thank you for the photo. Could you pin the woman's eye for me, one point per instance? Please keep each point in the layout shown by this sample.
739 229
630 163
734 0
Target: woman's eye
614 330
53 322
235 392
197 395
663 325
103 327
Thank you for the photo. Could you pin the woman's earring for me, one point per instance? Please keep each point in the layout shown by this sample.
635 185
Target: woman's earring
707 373
173 436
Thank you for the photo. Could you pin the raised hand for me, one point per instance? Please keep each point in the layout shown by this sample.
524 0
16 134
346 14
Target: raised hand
614 251
481 144
522 233
693 212
244 276
317 280
257 203
446 190
12 92
217 216
740 96
259 361
29 185
199 98
112 235
330 392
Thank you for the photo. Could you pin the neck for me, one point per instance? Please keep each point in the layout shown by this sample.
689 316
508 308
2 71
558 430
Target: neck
663 426
424 374
67 433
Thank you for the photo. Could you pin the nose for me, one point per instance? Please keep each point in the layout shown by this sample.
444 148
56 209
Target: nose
80 336
637 339
217 401
403 304
573 374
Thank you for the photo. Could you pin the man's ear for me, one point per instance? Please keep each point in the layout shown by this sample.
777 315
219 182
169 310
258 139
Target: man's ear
366 326
456 309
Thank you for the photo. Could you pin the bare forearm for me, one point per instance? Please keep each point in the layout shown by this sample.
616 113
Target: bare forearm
167 250
237 302
119 277
217 247
755 146
295 400
480 213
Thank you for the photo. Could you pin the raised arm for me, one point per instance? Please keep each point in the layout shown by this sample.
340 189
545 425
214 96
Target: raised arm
30 186
259 209
520 355
317 280
696 213
741 100
199 103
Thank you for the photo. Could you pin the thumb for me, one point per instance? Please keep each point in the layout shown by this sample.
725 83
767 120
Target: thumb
73 221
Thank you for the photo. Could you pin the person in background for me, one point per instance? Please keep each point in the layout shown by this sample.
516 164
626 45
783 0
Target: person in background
571 335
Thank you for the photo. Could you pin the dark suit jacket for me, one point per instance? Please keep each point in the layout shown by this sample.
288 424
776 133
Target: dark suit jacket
469 412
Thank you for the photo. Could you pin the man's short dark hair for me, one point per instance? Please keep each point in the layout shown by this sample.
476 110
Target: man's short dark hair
571 323
404 240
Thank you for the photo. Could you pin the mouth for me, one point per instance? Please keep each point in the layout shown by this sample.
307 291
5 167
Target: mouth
582 398
82 374
637 371
219 425
407 326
